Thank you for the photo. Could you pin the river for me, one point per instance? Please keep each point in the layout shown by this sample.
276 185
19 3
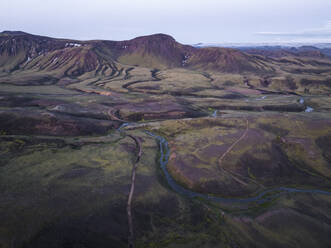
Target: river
261 197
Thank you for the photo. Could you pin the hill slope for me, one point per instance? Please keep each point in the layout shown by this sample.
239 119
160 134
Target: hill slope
22 51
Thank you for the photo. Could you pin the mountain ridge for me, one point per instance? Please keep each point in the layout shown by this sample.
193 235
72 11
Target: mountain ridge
161 51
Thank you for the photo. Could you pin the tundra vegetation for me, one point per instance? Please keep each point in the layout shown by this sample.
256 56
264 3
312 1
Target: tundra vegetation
227 148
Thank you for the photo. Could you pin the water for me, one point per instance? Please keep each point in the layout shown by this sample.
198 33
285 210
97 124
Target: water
123 126
261 98
260 198
309 109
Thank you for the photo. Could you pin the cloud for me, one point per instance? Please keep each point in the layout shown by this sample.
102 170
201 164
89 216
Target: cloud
322 32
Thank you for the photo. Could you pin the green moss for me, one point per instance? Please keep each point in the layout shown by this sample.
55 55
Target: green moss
250 173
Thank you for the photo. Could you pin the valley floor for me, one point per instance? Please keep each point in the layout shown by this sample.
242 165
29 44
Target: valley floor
220 160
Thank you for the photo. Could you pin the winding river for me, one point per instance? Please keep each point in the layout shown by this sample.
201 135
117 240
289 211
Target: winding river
259 198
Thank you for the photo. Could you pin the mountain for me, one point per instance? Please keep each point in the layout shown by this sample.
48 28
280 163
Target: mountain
264 44
54 59
278 51
20 51
158 50
226 59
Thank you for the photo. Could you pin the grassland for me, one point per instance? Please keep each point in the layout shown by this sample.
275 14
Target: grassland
65 169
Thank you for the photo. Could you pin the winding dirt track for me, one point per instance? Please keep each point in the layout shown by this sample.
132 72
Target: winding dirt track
133 179
232 146
234 175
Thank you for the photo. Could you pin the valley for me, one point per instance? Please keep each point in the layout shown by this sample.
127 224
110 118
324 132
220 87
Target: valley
152 143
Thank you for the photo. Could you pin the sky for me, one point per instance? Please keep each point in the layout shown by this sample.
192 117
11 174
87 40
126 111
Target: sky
188 21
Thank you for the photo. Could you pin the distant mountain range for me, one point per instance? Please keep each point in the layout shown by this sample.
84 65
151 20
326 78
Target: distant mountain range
20 51
264 44
276 49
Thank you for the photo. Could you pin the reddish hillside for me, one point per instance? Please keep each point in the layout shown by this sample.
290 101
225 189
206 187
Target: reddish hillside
61 57
223 59
22 51
163 51
157 50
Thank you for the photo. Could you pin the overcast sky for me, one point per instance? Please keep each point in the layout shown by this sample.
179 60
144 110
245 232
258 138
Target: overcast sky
188 21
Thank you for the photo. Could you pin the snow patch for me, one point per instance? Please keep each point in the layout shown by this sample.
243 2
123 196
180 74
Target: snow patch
73 45
185 60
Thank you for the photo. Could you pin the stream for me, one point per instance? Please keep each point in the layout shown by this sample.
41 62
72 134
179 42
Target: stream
308 109
259 198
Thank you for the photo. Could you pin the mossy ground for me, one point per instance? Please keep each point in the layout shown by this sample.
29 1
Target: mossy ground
278 150
68 186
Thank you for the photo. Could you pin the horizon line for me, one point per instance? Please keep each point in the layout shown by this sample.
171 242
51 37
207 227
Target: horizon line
226 43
